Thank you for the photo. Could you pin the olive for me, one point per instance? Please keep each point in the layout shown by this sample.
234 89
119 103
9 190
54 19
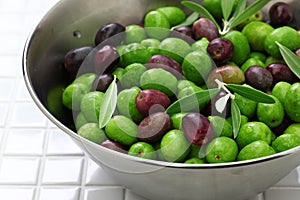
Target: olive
113 145
102 82
227 74
108 31
185 33
75 57
281 128
204 27
153 127
211 110
281 72
106 59
151 101
259 78
167 63
197 129
185 30
280 14
220 49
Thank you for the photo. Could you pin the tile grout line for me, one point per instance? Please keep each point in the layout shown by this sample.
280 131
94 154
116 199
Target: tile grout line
42 164
83 177
10 103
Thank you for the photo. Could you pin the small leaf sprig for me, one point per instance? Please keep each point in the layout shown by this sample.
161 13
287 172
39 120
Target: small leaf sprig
230 20
291 59
188 21
188 103
109 104
245 91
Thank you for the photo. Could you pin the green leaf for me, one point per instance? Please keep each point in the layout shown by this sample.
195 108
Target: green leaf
251 93
109 103
227 7
189 102
236 118
239 8
188 21
250 10
201 10
291 59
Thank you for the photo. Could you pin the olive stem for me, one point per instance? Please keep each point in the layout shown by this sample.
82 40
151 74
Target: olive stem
226 27
222 85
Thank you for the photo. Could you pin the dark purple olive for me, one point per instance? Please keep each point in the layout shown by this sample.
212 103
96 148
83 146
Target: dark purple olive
113 145
220 49
281 72
280 14
185 33
205 28
74 58
108 31
166 63
102 82
185 30
106 59
153 127
259 78
211 110
151 101
197 129
280 129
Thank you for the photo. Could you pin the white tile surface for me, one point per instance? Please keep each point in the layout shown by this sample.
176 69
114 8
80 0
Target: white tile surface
3 113
97 176
25 142
105 193
26 114
63 170
10 64
17 193
61 144
21 93
16 170
7 88
12 6
1 135
59 193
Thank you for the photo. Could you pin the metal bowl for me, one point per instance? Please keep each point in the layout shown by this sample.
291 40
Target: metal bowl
73 23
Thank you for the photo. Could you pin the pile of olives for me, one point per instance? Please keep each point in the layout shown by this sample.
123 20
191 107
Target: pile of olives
155 65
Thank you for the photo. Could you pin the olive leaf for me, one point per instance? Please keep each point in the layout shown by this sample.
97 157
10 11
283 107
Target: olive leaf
243 90
188 103
109 104
236 118
239 8
201 10
248 12
240 15
251 93
188 21
291 59
227 7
